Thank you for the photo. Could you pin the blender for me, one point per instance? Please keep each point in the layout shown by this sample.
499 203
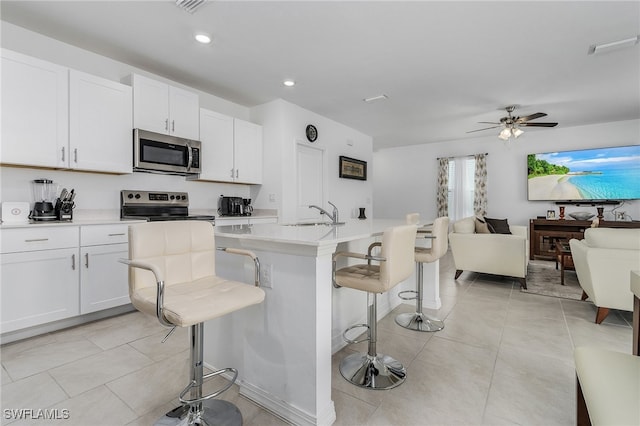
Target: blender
44 195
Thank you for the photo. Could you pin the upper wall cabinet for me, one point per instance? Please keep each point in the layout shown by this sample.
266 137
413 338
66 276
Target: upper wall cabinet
100 123
35 121
231 149
162 108
61 118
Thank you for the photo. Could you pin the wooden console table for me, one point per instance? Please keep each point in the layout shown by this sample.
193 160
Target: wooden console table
543 234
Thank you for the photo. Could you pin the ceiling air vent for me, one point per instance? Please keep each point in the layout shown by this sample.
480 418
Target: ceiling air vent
190 6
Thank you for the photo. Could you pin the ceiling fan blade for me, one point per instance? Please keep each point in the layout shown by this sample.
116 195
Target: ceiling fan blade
486 128
488 122
531 117
539 124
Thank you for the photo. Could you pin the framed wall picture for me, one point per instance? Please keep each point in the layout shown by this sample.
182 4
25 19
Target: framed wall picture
350 168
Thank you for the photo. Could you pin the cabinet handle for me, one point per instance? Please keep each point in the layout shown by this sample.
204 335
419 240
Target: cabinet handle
166 124
116 235
86 260
63 153
231 173
73 262
237 173
35 240
173 126
75 155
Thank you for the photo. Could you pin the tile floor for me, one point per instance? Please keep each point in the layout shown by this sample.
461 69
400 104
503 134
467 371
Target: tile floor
504 358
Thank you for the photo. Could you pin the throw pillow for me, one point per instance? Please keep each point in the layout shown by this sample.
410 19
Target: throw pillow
482 227
465 226
498 226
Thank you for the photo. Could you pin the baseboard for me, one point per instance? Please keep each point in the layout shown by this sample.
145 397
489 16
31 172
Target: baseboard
286 411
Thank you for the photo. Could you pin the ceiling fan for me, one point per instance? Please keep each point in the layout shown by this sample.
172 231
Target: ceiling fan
511 126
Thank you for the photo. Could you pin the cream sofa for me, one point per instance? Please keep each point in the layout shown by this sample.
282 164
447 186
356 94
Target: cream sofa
499 254
603 261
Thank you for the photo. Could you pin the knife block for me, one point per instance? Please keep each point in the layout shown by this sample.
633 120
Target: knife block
64 210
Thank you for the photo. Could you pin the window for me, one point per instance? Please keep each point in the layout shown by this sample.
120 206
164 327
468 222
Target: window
460 191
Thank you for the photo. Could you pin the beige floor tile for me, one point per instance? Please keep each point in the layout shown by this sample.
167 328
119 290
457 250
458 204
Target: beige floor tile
152 416
98 369
540 338
98 406
154 385
138 327
50 355
35 392
612 337
5 377
153 347
352 410
12 349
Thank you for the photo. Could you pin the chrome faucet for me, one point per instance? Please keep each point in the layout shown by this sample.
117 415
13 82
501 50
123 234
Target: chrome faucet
334 217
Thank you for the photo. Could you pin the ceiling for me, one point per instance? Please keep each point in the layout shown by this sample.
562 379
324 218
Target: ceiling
444 66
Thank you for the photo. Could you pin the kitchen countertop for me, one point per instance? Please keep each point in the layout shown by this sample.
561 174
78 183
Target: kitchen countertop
311 235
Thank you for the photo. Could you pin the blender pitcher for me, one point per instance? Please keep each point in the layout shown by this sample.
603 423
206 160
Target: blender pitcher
44 194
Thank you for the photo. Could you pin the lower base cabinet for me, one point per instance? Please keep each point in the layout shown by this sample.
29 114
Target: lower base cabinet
50 273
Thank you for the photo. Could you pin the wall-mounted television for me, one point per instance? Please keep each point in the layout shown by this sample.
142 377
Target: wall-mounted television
599 174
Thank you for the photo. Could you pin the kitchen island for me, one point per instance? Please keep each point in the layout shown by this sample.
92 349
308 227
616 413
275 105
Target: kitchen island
282 348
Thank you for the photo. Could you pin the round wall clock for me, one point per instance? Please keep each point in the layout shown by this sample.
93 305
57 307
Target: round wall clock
312 133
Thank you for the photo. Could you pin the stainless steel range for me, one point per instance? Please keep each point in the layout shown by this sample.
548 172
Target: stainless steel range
154 206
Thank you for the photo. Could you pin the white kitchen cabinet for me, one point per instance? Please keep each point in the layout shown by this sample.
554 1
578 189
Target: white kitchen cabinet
103 280
100 124
231 149
162 108
35 121
39 276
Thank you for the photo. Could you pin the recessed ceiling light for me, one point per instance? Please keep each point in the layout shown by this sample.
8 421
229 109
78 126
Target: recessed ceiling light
289 83
203 38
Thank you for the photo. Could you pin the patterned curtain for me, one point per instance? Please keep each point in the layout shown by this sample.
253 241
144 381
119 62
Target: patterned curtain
443 187
480 189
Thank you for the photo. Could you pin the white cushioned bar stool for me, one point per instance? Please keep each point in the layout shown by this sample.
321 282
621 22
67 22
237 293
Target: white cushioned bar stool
172 277
417 320
372 370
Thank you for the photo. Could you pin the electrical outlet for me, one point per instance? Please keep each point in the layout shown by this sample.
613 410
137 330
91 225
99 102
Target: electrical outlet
266 279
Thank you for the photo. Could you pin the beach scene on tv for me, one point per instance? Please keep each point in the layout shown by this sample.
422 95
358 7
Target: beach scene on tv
590 174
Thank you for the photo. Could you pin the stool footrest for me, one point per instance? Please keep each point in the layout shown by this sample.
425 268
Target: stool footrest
346 339
193 384
414 297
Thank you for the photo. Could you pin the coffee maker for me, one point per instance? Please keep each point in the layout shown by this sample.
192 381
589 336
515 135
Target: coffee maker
44 194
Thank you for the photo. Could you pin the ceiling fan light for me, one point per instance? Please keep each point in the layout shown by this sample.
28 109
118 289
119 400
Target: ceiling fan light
505 134
516 132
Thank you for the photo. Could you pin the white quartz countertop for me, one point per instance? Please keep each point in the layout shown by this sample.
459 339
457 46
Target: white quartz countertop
315 235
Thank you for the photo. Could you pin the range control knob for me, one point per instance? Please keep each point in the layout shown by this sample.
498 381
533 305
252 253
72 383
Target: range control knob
184 197
172 197
130 196
137 196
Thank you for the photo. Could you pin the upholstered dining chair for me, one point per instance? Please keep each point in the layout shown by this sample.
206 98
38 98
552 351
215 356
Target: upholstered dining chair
394 264
417 320
172 276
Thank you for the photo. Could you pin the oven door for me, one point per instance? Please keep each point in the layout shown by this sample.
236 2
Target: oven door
155 152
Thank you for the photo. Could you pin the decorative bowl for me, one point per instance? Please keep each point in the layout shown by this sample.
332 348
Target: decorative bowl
581 215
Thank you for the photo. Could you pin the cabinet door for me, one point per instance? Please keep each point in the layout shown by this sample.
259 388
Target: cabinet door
216 135
184 111
103 280
38 287
35 124
100 124
150 104
247 156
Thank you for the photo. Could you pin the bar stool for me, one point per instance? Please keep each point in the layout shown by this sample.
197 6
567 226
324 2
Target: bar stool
417 320
172 276
372 370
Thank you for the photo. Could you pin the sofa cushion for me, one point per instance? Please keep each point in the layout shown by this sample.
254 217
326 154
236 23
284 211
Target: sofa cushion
465 226
481 226
498 226
613 238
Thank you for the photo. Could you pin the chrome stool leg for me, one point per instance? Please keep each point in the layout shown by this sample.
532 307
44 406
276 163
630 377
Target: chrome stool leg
418 321
198 409
372 370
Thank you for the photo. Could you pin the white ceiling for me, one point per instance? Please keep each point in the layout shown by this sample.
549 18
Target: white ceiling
443 65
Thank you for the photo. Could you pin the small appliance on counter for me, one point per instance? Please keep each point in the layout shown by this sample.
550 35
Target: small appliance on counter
65 204
234 206
15 212
44 193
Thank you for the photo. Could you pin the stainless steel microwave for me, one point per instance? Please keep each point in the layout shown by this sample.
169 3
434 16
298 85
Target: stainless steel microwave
158 153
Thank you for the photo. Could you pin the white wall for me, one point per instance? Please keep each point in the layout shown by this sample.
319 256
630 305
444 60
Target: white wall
405 178
284 127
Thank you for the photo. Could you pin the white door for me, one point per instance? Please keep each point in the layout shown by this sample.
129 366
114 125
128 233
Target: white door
184 112
216 135
247 156
104 282
100 124
310 181
150 104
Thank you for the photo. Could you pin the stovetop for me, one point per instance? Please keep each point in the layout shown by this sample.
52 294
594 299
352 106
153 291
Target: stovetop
156 206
